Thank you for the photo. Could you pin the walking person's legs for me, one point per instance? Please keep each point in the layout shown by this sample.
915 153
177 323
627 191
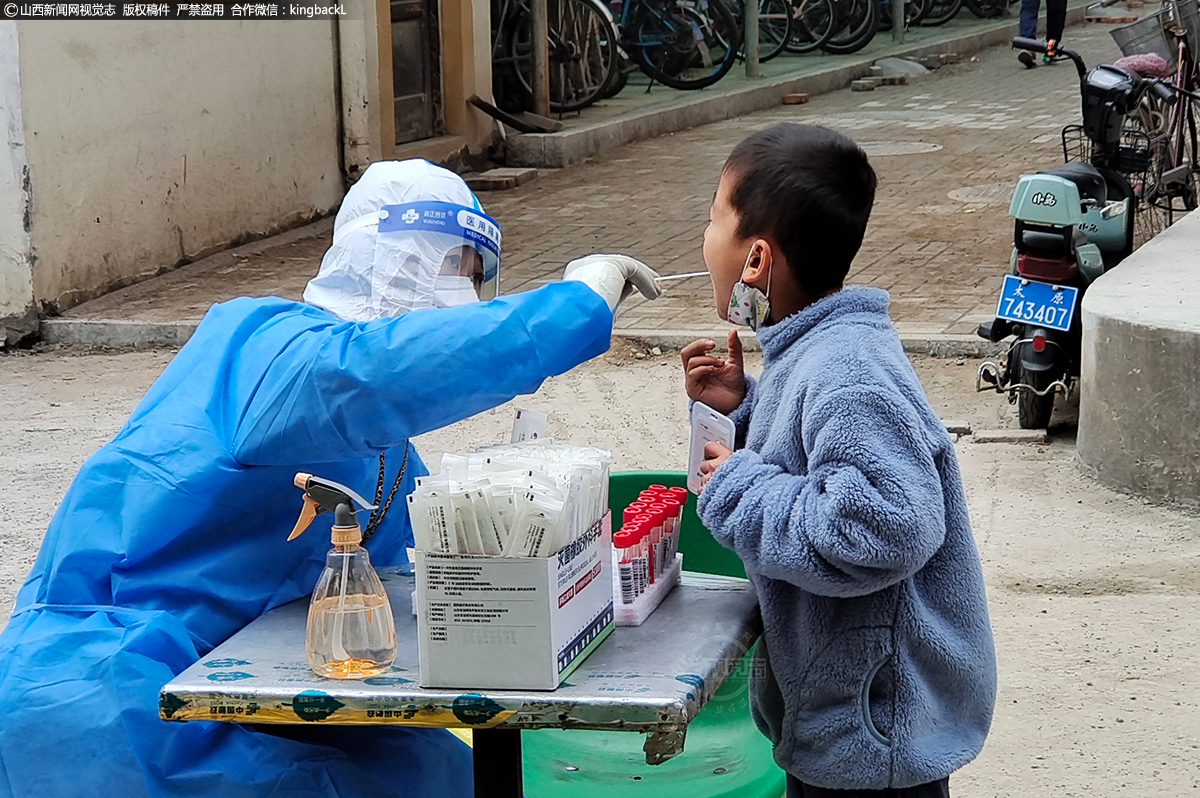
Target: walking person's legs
1029 17
1056 19
1028 28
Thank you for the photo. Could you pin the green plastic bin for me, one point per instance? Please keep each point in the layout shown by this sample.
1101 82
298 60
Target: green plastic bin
724 754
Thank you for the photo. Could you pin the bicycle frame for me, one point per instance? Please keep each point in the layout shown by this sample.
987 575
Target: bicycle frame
627 10
1182 112
1183 71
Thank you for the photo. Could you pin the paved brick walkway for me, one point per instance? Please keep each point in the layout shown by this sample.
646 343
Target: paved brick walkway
948 149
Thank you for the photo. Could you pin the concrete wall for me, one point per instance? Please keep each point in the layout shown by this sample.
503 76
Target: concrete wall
154 143
368 121
1139 407
467 69
16 279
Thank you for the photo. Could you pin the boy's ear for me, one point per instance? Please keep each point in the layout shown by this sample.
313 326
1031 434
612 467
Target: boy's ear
761 257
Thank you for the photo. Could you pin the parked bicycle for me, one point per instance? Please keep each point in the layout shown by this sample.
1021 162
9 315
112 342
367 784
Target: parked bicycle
582 49
684 44
940 12
858 23
774 26
1164 45
814 22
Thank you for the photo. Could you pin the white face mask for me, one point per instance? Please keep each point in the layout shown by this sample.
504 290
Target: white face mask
749 307
452 290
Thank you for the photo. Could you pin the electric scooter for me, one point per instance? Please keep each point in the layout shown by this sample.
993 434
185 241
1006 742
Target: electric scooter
1073 223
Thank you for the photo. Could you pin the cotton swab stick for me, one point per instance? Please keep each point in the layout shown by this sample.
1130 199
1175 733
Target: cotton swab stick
681 276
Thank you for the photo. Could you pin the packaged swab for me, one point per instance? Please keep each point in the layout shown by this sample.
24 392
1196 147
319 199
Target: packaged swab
537 527
528 499
434 513
470 541
493 535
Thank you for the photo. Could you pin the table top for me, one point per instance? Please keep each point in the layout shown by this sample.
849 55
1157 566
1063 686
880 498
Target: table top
651 678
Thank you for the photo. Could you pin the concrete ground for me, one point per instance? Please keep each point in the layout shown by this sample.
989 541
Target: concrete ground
948 149
1095 596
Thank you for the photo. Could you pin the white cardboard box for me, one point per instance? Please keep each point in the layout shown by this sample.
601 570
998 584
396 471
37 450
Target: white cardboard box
513 623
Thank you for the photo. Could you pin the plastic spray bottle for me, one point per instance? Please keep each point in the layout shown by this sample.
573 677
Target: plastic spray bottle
351 630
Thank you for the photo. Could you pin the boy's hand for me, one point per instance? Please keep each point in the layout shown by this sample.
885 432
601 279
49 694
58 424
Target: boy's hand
720 384
714 455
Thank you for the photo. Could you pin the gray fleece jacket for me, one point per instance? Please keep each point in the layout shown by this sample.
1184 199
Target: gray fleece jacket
877 667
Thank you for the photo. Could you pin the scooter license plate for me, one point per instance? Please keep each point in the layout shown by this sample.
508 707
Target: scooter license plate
1031 302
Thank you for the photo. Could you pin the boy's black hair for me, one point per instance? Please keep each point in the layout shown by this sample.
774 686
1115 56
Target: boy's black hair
808 188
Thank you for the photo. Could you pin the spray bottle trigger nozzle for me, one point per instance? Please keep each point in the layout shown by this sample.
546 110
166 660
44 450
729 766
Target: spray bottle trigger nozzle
310 511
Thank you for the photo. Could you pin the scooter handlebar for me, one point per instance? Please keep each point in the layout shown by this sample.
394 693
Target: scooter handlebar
1164 91
1052 49
1033 45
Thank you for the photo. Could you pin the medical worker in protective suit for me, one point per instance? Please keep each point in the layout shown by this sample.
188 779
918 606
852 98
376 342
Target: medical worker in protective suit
174 535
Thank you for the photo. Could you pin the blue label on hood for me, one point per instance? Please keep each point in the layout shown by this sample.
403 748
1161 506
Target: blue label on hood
473 226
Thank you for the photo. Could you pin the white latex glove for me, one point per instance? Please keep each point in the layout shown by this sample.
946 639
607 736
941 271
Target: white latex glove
614 277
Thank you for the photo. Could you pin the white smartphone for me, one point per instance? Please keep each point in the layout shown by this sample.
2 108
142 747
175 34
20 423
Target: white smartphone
707 425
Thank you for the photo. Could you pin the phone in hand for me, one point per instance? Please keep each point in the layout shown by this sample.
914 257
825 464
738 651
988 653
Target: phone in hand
707 425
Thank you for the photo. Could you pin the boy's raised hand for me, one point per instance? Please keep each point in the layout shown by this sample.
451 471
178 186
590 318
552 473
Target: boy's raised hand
720 384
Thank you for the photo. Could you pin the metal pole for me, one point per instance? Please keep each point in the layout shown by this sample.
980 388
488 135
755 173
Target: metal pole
750 45
540 38
898 15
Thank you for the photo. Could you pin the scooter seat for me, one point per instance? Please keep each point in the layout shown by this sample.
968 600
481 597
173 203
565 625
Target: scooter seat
1087 177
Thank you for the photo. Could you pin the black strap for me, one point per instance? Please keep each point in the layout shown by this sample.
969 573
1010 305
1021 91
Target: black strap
381 510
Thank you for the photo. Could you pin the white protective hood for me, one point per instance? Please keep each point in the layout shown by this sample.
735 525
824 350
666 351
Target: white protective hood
365 275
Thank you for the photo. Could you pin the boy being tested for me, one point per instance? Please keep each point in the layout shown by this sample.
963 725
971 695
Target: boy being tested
876 671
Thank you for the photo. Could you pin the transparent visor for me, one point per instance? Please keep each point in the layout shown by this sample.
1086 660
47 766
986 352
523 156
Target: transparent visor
473 238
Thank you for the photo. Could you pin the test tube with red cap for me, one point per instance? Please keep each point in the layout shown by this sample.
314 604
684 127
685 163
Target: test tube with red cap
663 520
675 508
643 568
652 524
625 542
682 495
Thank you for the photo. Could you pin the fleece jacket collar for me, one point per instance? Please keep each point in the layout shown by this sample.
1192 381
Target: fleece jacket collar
871 303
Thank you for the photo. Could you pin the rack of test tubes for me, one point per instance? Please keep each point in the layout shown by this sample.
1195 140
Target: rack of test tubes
646 557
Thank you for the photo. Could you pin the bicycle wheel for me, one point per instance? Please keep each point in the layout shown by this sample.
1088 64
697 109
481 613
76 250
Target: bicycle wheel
774 27
685 45
1173 179
813 23
1150 217
921 10
582 52
862 22
618 79
941 12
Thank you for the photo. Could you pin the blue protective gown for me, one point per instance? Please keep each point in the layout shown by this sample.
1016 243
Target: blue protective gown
173 537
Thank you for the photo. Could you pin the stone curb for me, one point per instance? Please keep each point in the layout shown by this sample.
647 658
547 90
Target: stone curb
567 147
1011 436
118 334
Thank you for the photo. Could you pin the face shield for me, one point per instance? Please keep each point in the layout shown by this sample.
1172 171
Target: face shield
409 235
464 242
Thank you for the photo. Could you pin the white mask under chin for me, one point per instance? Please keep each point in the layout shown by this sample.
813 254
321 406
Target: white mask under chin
452 290
749 307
